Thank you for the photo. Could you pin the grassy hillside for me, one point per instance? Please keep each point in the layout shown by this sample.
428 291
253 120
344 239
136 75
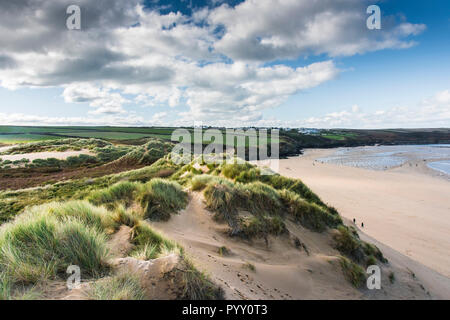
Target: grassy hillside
90 211
291 140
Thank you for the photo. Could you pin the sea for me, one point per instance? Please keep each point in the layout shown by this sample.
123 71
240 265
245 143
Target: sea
436 156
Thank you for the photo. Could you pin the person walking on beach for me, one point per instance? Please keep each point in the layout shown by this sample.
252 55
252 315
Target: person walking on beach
362 224
354 220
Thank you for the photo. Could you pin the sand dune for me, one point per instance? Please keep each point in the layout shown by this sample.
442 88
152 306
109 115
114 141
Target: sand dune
281 270
45 155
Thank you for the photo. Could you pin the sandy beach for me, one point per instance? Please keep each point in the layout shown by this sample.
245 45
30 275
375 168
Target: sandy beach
45 155
406 208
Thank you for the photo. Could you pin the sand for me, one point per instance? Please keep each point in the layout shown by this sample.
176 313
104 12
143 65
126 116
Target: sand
406 208
6 148
45 155
281 271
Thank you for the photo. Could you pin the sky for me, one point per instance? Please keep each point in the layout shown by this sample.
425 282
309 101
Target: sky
271 63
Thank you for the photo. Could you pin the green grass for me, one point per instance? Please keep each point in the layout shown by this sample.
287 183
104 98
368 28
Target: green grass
196 285
24 138
224 251
353 272
123 286
391 277
58 145
106 135
262 199
334 137
159 198
199 182
44 241
260 227
309 214
249 266
120 193
150 244
348 243
13 202
258 198
28 134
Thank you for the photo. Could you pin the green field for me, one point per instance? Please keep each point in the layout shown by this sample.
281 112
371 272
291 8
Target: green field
112 135
23 138
16 134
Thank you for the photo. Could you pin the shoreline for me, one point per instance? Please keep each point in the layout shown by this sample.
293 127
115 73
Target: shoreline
405 208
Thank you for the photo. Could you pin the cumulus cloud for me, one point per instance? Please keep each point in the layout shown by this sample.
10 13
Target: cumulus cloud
219 61
262 30
105 101
430 112
28 119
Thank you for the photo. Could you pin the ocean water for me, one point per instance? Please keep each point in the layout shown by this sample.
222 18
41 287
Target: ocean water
441 166
385 157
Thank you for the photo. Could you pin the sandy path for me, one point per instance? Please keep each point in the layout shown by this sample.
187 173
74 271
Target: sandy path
404 208
45 155
6 148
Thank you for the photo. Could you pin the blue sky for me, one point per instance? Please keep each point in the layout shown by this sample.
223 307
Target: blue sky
213 63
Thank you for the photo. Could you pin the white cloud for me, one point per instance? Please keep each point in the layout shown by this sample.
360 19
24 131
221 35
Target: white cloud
262 30
214 62
431 112
105 101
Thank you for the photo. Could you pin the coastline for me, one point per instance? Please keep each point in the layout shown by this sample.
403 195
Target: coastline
405 208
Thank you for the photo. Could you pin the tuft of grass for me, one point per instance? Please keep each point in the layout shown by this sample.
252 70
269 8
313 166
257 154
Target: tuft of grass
310 215
145 238
371 260
123 192
199 182
258 198
295 185
84 246
196 285
372 250
122 216
42 243
392 277
224 251
261 226
160 198
146 252
8 292
233 170
249 266
123 286
220 197
79 210
348 244
353 272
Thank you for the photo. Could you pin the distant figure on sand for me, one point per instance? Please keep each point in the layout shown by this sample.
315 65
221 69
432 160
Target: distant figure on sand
362 224
354 220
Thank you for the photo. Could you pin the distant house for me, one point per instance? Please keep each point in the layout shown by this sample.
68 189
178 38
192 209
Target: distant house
308 131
